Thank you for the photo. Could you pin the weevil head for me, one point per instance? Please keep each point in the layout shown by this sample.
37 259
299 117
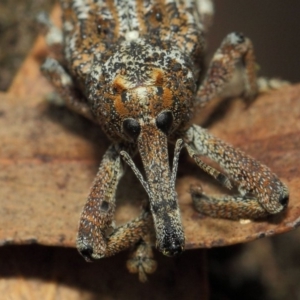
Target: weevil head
143 94
139 85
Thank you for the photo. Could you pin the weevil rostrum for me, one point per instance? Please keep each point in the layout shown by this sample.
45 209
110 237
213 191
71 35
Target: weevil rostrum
134 67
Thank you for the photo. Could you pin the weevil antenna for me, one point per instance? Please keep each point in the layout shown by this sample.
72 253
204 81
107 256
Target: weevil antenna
126 157
178 147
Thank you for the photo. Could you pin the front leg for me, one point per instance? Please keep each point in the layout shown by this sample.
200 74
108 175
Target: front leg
93 241
141 260
261 191
99 208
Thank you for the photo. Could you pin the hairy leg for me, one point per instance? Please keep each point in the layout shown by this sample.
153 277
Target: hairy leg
261 191
97 215
98 211
53 35
232 72
234 50
65 87
54 71
141 260
93 239
206 12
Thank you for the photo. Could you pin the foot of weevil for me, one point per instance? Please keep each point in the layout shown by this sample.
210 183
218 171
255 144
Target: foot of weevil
86 252
141 260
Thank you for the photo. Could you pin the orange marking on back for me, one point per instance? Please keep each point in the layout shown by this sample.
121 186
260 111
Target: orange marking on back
121 84
120 107
118 85
158 76
167 98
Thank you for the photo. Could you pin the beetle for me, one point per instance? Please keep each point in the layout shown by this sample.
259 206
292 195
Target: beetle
135 67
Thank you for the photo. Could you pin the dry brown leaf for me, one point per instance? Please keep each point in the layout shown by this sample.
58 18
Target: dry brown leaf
49 157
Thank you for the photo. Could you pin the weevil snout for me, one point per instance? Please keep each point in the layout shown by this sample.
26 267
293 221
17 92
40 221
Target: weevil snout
171 245
160 180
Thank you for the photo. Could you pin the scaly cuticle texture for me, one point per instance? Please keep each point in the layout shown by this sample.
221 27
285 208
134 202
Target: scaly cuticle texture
135 67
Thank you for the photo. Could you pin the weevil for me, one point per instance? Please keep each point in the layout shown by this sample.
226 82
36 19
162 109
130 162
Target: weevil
135 67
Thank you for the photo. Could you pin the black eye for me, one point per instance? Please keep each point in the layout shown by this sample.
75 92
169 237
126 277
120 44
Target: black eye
132 128
164 121
284 200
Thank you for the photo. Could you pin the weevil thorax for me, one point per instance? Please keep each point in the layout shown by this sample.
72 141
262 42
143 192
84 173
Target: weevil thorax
139 82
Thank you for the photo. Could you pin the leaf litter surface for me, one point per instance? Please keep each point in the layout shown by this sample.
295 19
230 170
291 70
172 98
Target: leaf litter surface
49 157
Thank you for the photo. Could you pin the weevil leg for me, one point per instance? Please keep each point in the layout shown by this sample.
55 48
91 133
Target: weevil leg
222 178
55 72
141 260
228 207
261 191
268 84
134 233
65 87
206 12
93 240
98 211
235 49
203 11
53 34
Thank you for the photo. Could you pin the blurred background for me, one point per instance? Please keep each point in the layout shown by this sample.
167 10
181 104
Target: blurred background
273 27
264 269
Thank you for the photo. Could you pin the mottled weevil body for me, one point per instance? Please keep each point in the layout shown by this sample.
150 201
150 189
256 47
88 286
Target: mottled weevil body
134 67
